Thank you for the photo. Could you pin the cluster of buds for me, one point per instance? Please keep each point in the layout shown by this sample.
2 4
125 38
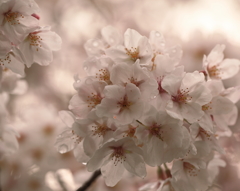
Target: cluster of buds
137 107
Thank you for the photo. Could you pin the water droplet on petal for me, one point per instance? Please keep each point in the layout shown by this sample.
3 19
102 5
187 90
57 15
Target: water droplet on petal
84 163
63 148
153 96
78 81
85 67
162 44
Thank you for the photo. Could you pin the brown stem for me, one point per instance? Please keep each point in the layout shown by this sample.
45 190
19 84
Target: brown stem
87 184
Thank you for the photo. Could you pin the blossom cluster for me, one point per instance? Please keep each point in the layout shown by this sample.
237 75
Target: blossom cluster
23 42
138 106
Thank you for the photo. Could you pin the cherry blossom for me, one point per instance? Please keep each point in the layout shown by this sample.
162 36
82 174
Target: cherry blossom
16 18
90 94
38 45
114 157
188 94
218 68
124 104
135 47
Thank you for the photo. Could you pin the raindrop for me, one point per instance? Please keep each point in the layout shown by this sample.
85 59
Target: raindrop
85 68
84 163
63 148
153 96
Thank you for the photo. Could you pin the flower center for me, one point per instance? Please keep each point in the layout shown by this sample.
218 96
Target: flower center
100 130
130 132
204 134
12 17
214 72
118 154
206 107
93 100
156 130
135 81
124 103
133 53
7 59
35 40
190 169
103 75
76 138
182 96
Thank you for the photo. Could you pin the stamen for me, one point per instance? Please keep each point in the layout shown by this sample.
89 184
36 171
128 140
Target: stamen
103 75
182 96
118 155
133 53
35 40
100 130
206 107
156 130
6 59
214 72
135 81
12 17
130 132
190 169
93 100
76 138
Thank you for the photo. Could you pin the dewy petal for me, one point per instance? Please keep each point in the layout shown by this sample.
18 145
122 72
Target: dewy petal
112 173
228 68
135 164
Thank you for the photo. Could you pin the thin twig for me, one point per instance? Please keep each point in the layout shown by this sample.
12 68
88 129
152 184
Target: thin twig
87 184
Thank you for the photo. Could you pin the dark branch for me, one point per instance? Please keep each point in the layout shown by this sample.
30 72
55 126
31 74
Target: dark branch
87 184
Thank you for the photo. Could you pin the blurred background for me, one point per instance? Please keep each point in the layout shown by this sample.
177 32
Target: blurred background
196 25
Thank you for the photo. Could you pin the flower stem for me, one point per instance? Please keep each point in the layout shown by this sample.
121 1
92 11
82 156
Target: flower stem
87 184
